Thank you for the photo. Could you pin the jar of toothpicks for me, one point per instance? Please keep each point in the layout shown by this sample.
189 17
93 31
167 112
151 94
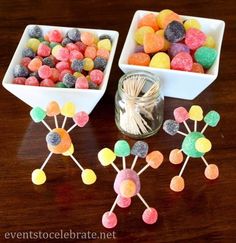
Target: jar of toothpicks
139 104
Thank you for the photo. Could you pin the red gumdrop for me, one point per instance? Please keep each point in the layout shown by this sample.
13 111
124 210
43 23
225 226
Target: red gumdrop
47 83
19 80
81 83
55 75
44 72
197 68
60 66
72 47
75 54
32 81
43 50
81 46
25 61
194 38
123 202
182 61
96 76
55 36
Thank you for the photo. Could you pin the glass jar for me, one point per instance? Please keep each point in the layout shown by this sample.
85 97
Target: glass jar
139 104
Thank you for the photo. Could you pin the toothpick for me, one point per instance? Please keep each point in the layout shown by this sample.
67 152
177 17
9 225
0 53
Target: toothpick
56 123
72 127
195 125
46 125
124 163
143 201
134 162
46 160
204 128
77 162
143 169
185 163
204 160
115 167
182 133
64 122
180 150
114 205
187 127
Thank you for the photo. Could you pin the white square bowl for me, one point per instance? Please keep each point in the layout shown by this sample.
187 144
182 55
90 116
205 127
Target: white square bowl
84 99
177 84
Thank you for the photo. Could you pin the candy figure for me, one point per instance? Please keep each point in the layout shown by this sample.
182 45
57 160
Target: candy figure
58 139
194 145
127 182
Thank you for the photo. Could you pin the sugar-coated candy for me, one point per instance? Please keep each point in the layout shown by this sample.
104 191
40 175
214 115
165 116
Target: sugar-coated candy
36 75
78 74
149 20
155 159
32 81
53 138
87 38
176 156
47 82
49 62
96 76
77 65
152 43
176 48
69 80
44 72
70 151
55 49
205 56
35 64
81 83
35 32
177 184
196 113
100 63
92 85
160 60
203 145
171 127
88 176
55 75
38 177
210 42
182 61
181 114
165 17
37 114
109 220
61 85
140 149
104 44
43 50
62 54
140 59
192 23
53 109
174 32
103 53
75 54
33 44
20 71
123 202
150 216
68 109
81 118
140 33
28 52
90 52
19 80
105 36
166 42
122 148
66 41
211 172
81 46
194 38
88 64
25 61
55 36
106 156
197 68
74 34
63 73
212 118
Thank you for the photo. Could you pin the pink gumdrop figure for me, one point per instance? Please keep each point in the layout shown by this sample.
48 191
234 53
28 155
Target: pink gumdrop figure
150 216
181 114
124 202
109 220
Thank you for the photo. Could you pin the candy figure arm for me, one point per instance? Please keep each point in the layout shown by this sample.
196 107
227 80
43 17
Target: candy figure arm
114 205
80 118
46 125
56 122
134 162
187 127
204 128
143 201
77 162
182 133
46 161
143 169
115 167
183 167
72 127
204 160
64 122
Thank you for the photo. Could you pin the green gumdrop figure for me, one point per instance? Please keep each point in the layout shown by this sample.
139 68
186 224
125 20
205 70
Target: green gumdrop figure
37 114
212 118
122 148
188 145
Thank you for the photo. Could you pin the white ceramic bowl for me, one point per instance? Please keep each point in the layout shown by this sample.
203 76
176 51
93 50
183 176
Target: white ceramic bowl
84 99
178 84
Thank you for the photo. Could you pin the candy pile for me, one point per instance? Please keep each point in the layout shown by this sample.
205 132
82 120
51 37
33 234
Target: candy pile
166 41
194 145
58 139
74 60
127 183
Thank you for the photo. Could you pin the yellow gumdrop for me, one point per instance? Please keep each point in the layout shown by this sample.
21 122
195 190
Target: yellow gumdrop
210 42
78 74
203 145
38 177
88 64
160 60
166 42
140 32
70 151
88 176
196 113
192 23
33 44
55 49
106 156
68 109
104 44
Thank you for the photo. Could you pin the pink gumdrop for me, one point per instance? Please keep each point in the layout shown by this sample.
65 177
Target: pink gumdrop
32 81
81 118
60 66
109 220
75 54
194 38
81 46
44 72
55 36
62 54
96 76
182 61
47 83
25 61
90 52
72 46
81 83
43 50
181 114
103 53
150 216
63 73
19 80
123 202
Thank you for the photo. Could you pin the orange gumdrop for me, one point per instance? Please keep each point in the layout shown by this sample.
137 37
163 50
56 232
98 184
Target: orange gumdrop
34 64
65 143
152 43
169 18
177 184
211 172
176 156
139 58
197 68
149 20
53 109
154 159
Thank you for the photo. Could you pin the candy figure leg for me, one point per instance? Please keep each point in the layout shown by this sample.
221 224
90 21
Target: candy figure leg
211 171
46 161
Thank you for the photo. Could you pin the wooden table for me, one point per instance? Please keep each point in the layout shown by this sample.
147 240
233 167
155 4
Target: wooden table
204 212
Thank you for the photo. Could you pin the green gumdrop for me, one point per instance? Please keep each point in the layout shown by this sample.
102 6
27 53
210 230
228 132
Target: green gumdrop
189 142
53 44
205 56
60 85
212 118
37 114
122 148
